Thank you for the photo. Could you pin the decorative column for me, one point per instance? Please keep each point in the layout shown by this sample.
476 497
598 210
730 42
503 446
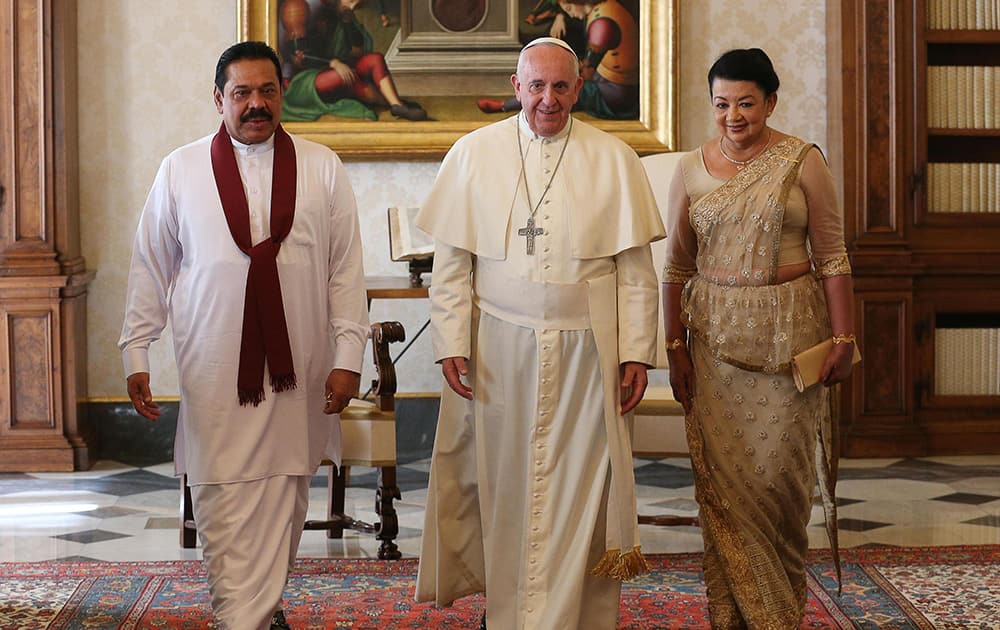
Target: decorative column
43 277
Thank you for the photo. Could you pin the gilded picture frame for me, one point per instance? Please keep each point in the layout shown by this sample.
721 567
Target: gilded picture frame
655 130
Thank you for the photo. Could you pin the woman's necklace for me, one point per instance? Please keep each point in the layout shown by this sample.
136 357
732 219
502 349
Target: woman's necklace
741 163
529 231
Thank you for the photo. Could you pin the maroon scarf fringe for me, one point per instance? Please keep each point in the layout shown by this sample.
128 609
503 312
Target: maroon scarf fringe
284 382
254 397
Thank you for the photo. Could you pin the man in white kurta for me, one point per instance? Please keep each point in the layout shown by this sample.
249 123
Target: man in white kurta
249 466
544 330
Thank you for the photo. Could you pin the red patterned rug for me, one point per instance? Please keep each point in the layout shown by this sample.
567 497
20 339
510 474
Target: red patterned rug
884 587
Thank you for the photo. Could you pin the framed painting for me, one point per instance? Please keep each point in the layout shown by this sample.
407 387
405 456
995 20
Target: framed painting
404 79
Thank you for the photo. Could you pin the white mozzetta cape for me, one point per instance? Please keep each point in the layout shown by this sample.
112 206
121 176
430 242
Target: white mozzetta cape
186 265
606 193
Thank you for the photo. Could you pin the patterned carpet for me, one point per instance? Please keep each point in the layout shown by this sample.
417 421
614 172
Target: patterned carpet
884 587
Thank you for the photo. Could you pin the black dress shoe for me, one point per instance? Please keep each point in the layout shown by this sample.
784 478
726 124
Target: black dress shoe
278 621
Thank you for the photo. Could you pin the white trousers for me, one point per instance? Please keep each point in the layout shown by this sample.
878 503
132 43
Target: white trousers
249 534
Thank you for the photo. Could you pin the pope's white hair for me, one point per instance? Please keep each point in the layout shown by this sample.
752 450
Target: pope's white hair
548 41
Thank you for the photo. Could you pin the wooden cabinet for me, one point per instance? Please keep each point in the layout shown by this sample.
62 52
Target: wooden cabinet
917 139
43 277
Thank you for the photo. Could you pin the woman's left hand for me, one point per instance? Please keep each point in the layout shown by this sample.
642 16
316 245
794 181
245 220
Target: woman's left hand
838 364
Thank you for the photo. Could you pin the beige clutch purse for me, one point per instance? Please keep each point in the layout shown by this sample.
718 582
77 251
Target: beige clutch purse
807 364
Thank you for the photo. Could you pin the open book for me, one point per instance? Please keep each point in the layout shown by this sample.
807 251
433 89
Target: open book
406 240
408 243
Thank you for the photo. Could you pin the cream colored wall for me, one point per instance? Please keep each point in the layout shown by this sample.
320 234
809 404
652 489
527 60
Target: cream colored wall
146 72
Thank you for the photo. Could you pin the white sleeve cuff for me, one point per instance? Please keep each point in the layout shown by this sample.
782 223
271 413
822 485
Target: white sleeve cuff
349 356
135 360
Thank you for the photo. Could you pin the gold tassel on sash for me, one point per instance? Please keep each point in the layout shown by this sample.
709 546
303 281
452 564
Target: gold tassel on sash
621 566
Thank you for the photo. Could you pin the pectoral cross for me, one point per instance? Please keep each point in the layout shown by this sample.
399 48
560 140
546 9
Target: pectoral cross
529 232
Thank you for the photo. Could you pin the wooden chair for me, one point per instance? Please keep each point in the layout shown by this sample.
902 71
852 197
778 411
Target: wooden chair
368 438
659 419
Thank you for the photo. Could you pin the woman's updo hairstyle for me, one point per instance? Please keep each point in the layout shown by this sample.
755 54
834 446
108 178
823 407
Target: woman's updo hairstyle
745 64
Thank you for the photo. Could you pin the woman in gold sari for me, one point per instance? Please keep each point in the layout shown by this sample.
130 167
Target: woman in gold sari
756 271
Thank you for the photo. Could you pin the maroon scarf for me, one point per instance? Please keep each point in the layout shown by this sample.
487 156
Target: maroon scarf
265 332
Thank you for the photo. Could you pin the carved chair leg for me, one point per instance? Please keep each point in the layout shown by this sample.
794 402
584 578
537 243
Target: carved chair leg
388 525
189 532
336 488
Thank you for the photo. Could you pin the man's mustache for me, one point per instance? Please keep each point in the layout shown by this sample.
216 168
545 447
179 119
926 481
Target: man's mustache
259 114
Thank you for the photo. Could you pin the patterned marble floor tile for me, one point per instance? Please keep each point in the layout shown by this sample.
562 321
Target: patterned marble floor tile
965 460
423 465
148 545
91 536
113 511
990 520
52 498
922 470
663 475
680 462
79 559
677 539
855 464
818 538
982 485
967 498
890 489
102 468
646 493
10 478
679 505
352 545
417 496
931 513
35 548
157 502
163 522
139 506
135 525
166 469
128 483
858 525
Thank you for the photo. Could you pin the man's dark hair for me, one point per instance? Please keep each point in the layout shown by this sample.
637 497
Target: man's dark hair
241 51
745 64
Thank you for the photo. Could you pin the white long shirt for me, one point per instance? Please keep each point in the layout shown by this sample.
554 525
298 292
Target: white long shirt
185 265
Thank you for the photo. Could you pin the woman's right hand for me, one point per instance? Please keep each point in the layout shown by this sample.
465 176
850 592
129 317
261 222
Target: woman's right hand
682 377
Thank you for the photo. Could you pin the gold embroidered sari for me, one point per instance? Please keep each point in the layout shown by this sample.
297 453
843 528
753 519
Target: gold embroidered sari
757 445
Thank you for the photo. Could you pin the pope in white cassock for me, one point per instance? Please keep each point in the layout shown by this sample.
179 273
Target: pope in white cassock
543 312
249 242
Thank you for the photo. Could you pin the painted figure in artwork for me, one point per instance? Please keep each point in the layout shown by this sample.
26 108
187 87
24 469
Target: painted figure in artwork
608 49
561 19
331 67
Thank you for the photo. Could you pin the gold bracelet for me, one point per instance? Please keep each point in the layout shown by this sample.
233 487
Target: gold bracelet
844 339
674 344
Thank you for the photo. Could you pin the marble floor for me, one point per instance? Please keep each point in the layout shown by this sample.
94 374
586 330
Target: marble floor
117 512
